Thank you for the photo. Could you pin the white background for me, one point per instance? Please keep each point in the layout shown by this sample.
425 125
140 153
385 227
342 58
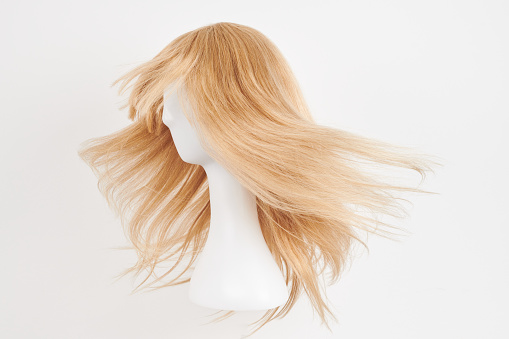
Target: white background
432 75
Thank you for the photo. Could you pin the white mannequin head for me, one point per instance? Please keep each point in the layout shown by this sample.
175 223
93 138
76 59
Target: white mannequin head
250 278
185 137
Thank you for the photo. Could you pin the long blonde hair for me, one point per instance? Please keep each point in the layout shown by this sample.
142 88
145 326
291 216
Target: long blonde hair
312 184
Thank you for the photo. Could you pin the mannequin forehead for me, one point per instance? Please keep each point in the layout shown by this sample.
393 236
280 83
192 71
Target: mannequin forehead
172 104
170 98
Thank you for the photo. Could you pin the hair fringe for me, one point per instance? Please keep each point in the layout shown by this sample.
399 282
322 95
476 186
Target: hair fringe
315 186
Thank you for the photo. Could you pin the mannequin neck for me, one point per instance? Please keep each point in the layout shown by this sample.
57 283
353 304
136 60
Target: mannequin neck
230 202
236 270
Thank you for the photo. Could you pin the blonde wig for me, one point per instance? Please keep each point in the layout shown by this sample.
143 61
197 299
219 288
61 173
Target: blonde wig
313 184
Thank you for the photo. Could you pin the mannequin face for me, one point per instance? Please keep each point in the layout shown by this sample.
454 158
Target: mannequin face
184 135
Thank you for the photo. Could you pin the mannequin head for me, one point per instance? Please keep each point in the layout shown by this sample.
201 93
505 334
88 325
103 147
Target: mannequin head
185 137
313 184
